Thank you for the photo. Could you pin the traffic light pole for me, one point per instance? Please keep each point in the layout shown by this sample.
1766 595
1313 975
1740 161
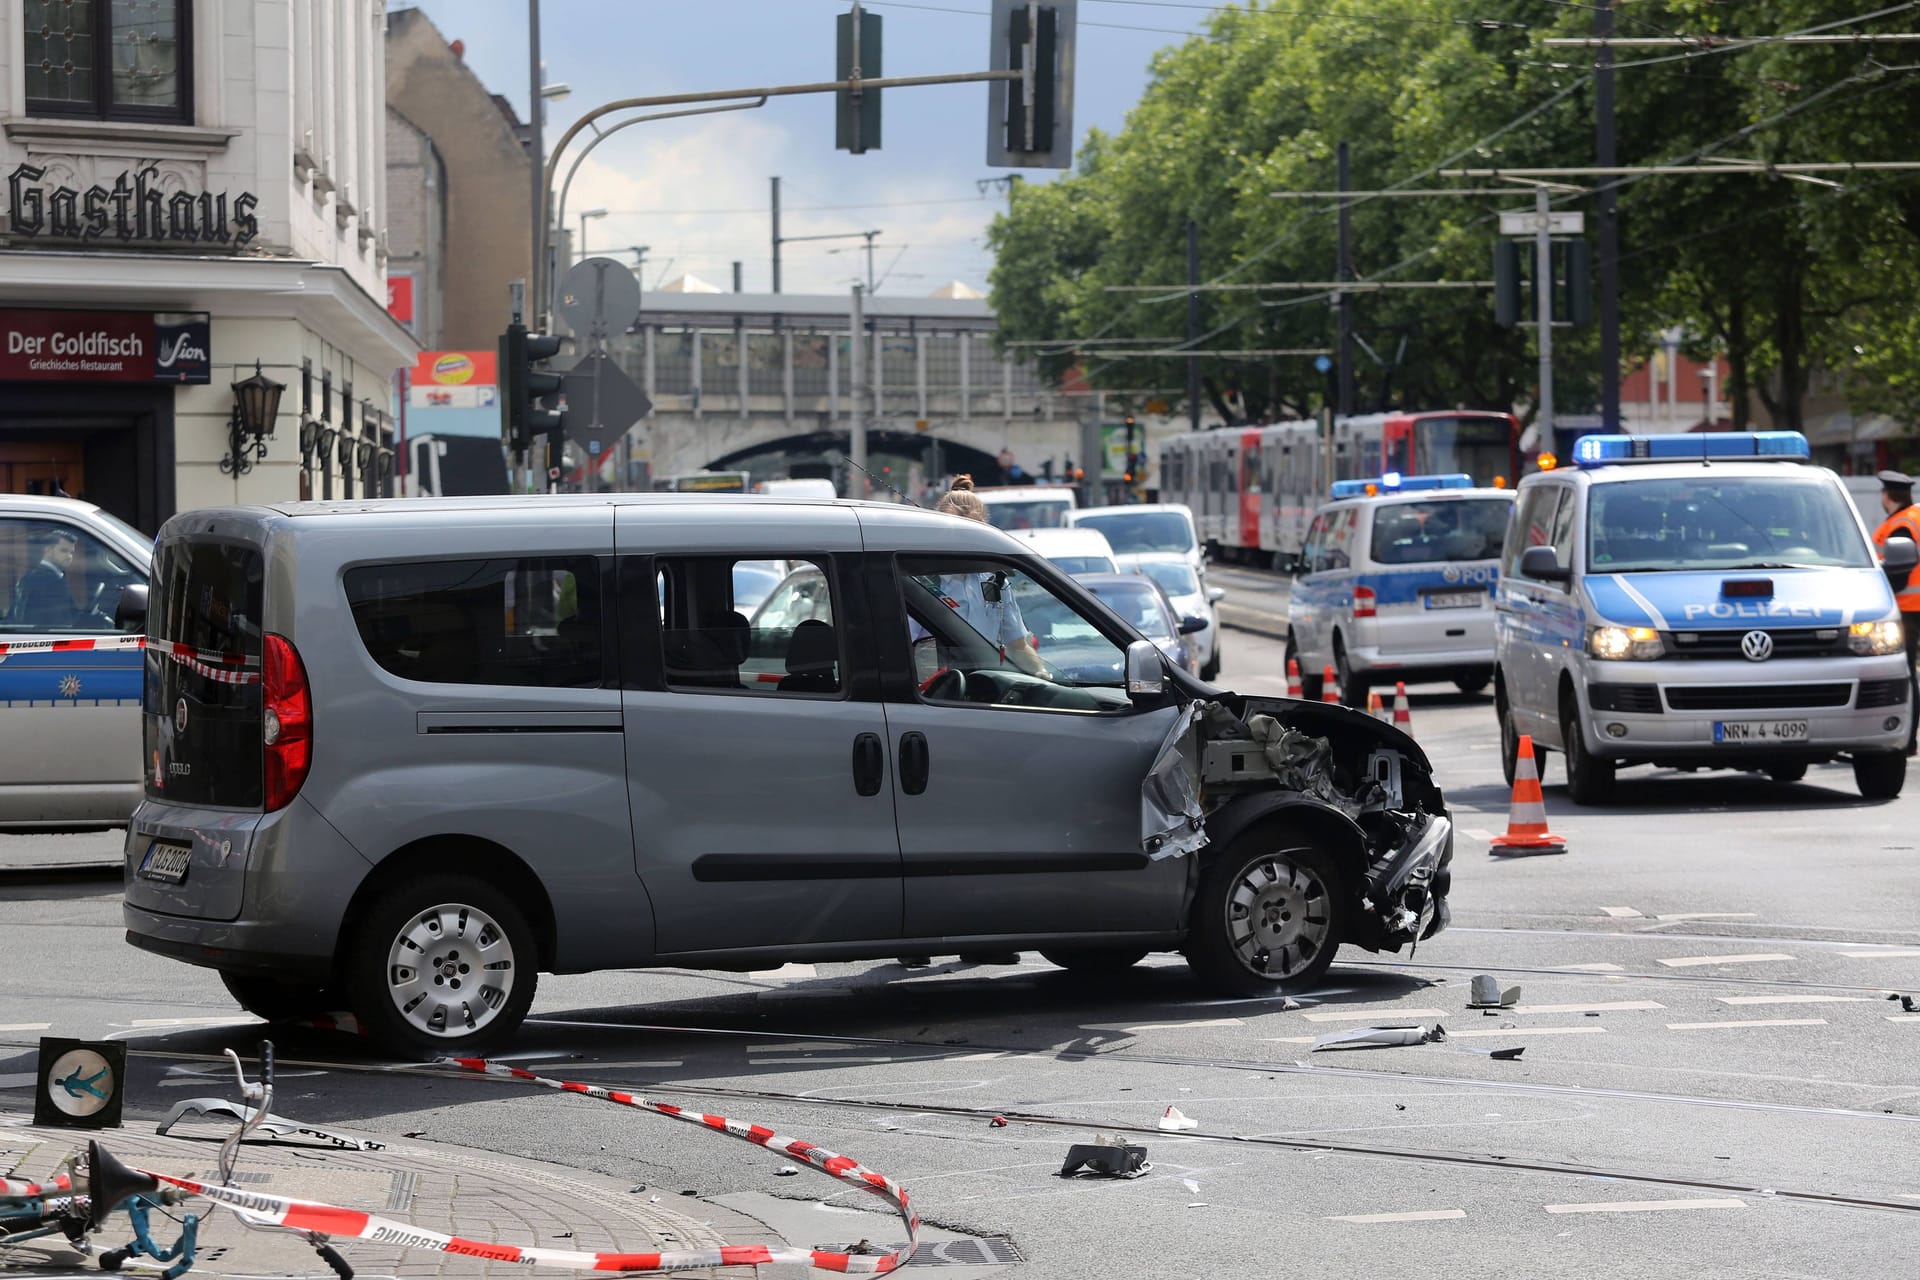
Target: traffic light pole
856 422
1543 306
543 197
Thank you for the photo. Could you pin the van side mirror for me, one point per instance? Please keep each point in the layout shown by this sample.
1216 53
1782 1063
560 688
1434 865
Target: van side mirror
1898 557
130 613
1541 564
1146 668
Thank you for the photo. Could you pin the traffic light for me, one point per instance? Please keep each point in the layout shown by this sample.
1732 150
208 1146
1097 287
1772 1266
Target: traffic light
1577 302
1506 283
1030 120
856 117
526 391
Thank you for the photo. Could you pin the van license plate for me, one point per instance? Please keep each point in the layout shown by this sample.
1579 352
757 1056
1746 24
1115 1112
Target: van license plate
1454 599
1759 730
166 862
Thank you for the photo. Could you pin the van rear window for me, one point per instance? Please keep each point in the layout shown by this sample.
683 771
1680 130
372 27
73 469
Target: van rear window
200 718
1439 532
526 622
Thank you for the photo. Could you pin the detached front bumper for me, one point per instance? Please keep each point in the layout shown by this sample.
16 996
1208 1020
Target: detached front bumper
1666 711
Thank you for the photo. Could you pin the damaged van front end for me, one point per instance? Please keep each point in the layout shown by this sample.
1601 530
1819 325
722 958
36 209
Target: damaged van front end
1310 826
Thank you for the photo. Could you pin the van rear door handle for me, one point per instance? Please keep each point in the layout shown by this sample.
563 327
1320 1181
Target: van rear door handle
869 770
915 762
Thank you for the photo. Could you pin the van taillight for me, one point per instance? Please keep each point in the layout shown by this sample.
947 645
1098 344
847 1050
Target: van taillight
1363 602
286 722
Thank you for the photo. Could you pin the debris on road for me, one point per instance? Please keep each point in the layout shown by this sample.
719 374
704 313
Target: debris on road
1174 1120
1486 993
277 1126
786 1171
998 1122
1106 1157
1508 1055
1380 1037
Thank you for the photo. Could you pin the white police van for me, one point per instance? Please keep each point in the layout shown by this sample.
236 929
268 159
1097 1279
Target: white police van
1395 582
1700 601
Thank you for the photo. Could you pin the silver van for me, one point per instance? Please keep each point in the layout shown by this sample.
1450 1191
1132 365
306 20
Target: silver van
405 756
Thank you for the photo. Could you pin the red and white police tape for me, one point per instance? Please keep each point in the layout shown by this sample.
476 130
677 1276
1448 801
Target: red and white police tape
226 668
34 1190
352 1224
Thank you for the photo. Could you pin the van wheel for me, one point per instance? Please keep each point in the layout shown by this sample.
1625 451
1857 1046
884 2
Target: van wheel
1589 778
1509 735
1353 688
1879 774
1097 960
278 1001
1311 683
1474 683
1788 772
1269 915
442 963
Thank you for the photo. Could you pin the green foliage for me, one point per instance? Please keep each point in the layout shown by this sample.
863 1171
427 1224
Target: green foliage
1786 276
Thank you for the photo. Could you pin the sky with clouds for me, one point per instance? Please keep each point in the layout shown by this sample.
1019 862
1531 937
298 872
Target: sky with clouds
696 191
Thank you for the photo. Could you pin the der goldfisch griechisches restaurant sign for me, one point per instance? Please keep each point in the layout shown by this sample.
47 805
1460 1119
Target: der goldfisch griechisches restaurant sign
134 210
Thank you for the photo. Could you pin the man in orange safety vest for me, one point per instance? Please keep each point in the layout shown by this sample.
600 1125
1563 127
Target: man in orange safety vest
1903 521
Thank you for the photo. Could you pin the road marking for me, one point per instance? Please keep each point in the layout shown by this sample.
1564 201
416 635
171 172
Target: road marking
1645 1206
812 1062
1599 1007
1602 967
1757 1022
799 1046
1164 1026
1622 913
1419 1215
233 1019
1527 1031
785 971
1477 833
25 1026
1903 1017
1795 999
1889 954
1374 1015
1713 915
1689 962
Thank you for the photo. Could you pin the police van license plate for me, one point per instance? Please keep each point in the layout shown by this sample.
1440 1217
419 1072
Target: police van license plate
1454 599
166 862
1764 731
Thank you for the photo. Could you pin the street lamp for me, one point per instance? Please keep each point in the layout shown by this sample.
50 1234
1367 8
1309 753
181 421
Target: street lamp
555 92
256 405
584 215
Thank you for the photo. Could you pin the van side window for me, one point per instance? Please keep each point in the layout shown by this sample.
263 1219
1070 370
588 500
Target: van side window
1532 525
1562 536
532 622
712 639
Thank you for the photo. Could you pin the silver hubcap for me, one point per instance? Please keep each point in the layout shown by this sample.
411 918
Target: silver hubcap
1278 918
450 970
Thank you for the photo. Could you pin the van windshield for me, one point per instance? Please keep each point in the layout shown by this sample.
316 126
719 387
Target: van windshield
1134 532
1439 531
1706 522
1029 513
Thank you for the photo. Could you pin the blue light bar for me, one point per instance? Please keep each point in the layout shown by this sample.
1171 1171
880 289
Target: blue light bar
1766 446
1394 482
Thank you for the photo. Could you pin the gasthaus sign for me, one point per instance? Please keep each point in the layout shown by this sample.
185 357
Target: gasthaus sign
105 346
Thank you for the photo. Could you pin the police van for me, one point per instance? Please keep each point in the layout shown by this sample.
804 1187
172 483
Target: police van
1395 582
1700 601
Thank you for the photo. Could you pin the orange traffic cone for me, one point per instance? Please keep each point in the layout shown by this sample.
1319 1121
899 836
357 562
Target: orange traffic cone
1375 708
1293 679
1527 823
1402 713
1329 684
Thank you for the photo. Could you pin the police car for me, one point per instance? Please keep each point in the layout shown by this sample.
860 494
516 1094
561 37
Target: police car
1699 601
1395 582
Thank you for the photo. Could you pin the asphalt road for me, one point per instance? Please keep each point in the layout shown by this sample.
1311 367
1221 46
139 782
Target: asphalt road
1713 1081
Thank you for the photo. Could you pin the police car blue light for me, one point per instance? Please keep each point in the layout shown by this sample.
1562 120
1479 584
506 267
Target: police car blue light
1394 482
1600 451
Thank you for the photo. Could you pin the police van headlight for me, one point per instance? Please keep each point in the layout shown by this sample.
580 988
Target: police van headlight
1874 638
1624 644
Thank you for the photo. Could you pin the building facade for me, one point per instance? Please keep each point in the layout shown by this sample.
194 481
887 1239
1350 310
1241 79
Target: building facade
195 191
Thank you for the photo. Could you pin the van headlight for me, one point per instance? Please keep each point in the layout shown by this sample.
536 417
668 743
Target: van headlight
1624 644
1875 638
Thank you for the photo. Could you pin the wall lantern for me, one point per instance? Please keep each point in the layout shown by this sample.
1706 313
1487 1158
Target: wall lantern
256 407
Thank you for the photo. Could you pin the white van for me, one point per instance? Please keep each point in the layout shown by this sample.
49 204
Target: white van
801 488
1028 506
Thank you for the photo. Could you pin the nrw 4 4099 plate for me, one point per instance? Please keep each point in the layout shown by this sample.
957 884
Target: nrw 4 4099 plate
1762 731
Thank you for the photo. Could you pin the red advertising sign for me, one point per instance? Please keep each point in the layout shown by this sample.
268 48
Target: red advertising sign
400 298
104 346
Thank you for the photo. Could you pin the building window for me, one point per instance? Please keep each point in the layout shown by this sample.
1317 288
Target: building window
108 59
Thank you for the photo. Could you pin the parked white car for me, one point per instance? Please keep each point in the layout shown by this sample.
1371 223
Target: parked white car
1075 551
1191 598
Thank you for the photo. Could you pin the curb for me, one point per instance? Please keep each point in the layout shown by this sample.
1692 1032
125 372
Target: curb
1257 621
61 873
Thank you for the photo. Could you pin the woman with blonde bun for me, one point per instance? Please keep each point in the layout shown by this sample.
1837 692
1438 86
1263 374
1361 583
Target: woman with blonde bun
984 599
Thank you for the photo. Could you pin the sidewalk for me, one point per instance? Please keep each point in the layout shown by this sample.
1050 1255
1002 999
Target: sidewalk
474 1194
63 854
